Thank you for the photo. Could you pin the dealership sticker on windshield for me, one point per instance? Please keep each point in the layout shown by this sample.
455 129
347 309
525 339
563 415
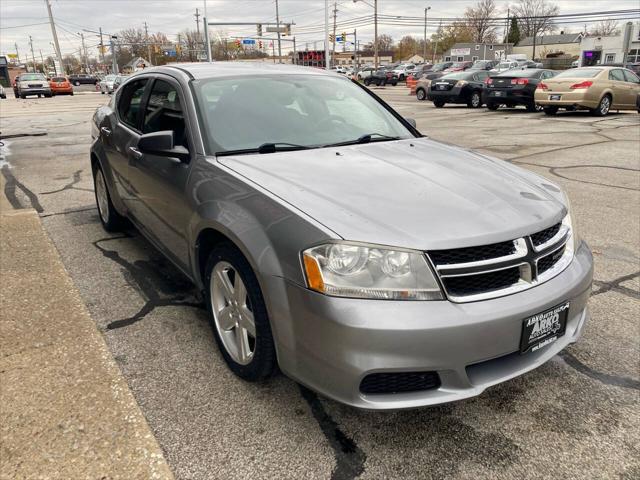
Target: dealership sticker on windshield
544 328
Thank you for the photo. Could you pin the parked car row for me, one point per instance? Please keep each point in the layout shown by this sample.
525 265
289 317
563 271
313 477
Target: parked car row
597 89
110 83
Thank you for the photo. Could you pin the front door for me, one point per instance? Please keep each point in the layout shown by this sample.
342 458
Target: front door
161 206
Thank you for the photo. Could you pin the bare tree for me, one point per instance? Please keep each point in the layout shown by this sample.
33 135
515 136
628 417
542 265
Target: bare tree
535 16
479 21
605 28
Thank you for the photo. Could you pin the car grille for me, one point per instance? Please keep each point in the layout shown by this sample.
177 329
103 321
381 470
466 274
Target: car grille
399 382
474 284
472 254
544 236
488 271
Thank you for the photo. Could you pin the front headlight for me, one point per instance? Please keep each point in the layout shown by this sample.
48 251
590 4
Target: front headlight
368 271
574 239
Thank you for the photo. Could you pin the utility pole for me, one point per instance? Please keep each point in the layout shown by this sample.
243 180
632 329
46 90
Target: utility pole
146 39
205 26
114 60
355 48
375 34
424 50
42 61
17 53
278 22
197 15
33 57
295 55
326 35
55 35
179 48
333 47
433 60
101 47
84 52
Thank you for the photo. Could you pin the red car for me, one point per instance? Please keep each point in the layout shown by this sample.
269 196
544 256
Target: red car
459 67
60 86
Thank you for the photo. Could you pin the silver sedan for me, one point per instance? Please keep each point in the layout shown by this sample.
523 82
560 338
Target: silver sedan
335 243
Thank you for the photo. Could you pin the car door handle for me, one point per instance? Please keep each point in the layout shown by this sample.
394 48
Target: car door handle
135 153
106 131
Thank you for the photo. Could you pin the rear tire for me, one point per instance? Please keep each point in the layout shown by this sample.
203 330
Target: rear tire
367 82
550 110
421 94
251 357
603 107
111 220
493 106
475 101
438 103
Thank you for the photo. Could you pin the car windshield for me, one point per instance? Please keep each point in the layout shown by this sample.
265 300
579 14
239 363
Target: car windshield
58 79
440 66
579 73
32 76
458 64
306 110
519 73
504 65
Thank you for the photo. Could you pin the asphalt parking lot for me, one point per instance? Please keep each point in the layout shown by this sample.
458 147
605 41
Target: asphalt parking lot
578 416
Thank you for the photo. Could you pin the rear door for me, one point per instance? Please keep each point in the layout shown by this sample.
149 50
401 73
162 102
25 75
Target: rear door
633 84
160 182
621 89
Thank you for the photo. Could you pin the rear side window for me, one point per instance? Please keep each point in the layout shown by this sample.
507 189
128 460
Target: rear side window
164 112
616 75
630 76
129 102
58 79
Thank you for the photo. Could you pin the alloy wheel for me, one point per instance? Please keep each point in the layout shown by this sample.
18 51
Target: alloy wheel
475 100
232 313
605 104
102 197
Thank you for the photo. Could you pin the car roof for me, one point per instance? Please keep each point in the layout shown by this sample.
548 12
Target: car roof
227 69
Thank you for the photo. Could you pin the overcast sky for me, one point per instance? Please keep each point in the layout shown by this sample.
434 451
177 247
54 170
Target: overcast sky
21 18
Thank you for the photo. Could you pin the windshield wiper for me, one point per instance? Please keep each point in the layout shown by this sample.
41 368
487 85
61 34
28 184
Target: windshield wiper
266 148
366 138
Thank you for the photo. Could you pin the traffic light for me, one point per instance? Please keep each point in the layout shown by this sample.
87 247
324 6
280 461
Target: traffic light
238 43
344 37
287 29
332 37
260 44
259 29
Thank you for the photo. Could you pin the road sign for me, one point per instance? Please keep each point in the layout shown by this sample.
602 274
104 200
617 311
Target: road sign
170 53
276 29
248 41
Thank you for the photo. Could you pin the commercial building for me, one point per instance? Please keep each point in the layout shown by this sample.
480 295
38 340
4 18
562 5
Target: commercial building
611 49
470 52
564 44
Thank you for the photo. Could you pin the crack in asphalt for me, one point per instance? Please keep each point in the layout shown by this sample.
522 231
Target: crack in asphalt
18 135
67 212
76 178
10 191
614 285
606 378
349 457
150 282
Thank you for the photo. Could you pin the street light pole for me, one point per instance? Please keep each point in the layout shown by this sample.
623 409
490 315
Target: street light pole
205 26
326 35
375 33
279 42
424 50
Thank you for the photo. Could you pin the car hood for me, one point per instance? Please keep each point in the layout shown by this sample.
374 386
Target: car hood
414 193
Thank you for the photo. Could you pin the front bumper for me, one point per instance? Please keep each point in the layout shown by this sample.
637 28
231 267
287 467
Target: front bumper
35 91
330 344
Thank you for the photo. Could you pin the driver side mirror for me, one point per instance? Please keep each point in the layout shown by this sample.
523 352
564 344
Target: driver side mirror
411 121
161 144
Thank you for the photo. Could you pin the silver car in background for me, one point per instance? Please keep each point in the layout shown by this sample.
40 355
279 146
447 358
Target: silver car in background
32 84
106 84
331 239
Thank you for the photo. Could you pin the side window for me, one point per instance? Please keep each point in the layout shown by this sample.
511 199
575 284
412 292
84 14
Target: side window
616 75
164 112
129 102
630 76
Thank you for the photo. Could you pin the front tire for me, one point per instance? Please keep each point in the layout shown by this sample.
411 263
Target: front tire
493 106
603 107
111 220
438 103
421 94
238 315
